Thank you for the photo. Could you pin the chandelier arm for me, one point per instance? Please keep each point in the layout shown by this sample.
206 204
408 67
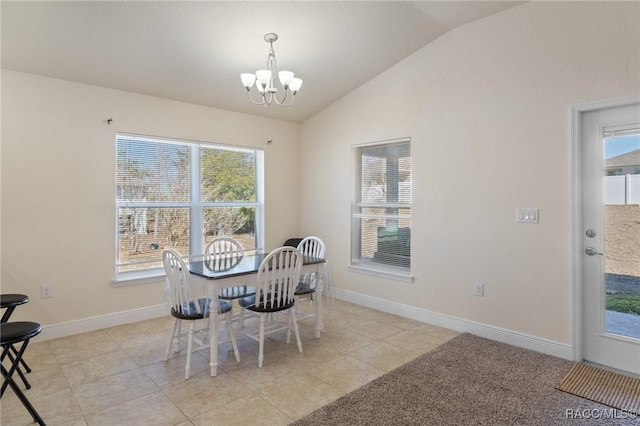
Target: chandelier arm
263 102
286 105
284 98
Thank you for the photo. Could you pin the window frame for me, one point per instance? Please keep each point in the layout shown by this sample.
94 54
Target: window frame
358 263
196 205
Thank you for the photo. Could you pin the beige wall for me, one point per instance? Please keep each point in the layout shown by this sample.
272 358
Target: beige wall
58 191
487 107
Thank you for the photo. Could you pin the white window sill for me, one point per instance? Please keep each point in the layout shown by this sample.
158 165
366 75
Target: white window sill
136 278
389 272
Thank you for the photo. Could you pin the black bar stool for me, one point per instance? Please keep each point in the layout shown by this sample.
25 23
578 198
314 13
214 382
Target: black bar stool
12 333
10 302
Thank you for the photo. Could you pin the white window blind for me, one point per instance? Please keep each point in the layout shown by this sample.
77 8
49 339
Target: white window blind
152 171
381 216
180 195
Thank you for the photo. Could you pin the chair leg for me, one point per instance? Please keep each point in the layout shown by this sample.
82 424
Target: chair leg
297 300
178 334
289 326
232 335
187 368
173 336
240 325
292 316
261 341
296 310
321 307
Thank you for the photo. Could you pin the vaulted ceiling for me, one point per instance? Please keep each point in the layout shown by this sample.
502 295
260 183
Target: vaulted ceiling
194 51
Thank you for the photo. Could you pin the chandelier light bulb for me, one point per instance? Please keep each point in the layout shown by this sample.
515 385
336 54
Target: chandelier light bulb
285 78
248 79
263 77
295 85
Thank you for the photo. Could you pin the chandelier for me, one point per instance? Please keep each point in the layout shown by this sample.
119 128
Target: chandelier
264 81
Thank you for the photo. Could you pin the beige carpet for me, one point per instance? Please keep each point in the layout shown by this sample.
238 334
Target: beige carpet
469 381
603 386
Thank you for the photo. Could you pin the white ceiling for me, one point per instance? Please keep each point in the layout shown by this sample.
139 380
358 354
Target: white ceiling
194 51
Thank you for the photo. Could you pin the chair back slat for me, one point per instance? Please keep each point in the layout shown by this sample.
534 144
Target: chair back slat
183 296
278 277
223 253
312 247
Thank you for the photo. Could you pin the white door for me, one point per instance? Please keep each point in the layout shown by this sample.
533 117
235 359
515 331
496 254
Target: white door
609 260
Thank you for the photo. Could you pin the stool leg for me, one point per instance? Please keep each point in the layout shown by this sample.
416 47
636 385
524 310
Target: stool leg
5 373
5 318
18 369
22 361
8 380
21 396
7 313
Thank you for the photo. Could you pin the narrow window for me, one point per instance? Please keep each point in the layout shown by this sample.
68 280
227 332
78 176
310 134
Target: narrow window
381 214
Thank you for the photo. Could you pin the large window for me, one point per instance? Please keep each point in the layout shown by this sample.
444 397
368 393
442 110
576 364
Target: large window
381 216
180 195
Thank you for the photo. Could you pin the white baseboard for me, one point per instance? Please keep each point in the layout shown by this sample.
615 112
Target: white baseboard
102 321
510 337
549 347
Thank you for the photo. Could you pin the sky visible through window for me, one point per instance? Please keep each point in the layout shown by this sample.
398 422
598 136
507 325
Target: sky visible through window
620 145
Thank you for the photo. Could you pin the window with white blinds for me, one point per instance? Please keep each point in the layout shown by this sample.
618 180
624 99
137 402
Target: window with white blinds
381 214
180 195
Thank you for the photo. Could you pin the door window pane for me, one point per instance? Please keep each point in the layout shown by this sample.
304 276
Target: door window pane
622 235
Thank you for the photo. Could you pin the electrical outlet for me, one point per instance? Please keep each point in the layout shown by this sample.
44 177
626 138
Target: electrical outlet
47 290
478 288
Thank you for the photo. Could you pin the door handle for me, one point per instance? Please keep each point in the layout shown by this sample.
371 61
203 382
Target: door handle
592 252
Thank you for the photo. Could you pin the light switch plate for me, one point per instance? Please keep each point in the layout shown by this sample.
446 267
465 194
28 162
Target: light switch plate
527 215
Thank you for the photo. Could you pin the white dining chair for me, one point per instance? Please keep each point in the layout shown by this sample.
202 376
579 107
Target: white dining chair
276 282
188 305
310 283
224 253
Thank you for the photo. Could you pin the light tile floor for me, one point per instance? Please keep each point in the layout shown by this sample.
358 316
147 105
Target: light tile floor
117 376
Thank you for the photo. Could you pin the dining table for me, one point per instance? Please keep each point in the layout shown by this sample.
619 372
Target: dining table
223 273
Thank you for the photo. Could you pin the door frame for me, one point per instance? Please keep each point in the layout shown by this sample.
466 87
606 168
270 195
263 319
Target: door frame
576 211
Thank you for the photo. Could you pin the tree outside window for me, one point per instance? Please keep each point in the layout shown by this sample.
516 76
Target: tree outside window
180 195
